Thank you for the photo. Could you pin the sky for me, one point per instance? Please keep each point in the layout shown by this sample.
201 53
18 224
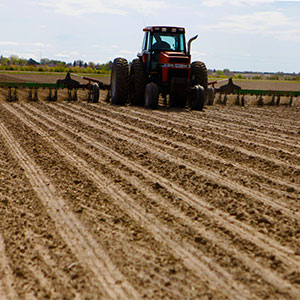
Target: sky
240 35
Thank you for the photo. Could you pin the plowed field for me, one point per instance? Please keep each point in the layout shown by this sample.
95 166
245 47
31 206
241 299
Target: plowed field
106 202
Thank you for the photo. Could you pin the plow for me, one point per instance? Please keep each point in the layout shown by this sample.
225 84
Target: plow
262 97
213 94
72 86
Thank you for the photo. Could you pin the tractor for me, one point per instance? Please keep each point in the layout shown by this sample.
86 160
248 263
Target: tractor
162 68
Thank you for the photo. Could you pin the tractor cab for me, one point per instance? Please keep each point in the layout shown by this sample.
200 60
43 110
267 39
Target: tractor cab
163 47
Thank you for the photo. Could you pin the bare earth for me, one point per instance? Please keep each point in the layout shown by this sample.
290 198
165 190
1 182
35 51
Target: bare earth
106 202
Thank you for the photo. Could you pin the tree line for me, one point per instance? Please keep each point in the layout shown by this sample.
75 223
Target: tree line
15 63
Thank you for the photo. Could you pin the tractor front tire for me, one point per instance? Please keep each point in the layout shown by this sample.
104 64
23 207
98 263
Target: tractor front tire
119 81
137 83
151 95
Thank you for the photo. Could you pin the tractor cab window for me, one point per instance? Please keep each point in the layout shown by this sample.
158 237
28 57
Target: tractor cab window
144 46
168 41
146 41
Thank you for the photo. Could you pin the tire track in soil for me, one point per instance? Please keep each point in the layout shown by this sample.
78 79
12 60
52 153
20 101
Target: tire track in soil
273 280
251 135
159 277
167 144
46 266
20 209
257 120
204 122
224 140
254 128
218 278
7 289
230 118
237 153
210 175
140 169
75 235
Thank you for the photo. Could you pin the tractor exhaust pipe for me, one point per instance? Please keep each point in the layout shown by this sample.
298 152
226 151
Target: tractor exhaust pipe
189 44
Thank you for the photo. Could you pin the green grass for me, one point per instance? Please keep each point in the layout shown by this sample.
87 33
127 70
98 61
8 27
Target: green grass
52 73
253 80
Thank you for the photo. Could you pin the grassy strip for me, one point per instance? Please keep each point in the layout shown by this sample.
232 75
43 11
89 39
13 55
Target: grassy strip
52 73
254 80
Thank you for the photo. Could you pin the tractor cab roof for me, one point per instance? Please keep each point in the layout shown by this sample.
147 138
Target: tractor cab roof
165 29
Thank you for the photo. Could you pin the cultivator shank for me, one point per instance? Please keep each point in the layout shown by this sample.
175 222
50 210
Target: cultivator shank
230 88
93 86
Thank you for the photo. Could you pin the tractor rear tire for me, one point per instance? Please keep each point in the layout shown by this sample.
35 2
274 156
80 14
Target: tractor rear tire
198 98
119 81
151 95
137 83
199 74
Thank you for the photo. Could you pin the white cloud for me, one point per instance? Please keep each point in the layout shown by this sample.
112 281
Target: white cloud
67 55
41 45
214 3
271 23
113 7
80 7
8 43
147 7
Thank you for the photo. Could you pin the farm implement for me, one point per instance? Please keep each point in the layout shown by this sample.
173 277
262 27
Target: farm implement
272 97
93 86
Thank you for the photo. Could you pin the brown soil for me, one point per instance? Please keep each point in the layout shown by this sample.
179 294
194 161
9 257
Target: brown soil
106 202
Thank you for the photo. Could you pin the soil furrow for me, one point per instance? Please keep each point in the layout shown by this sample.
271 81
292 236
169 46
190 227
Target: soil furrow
235 153
261 118
139 168
248 262
7 285
72 231
211 176
47 265
229 118
211 124
217 276
260 123
227 140
21 209
250 135
121 248
196 153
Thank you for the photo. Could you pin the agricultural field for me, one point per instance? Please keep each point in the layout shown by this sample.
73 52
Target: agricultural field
105 202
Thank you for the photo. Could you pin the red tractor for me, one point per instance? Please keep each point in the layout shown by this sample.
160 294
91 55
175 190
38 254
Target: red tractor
163 67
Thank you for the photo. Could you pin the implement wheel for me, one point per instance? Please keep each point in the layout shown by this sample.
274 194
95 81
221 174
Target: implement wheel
151 95
137 83
95 93
119 81
210 96
197 98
